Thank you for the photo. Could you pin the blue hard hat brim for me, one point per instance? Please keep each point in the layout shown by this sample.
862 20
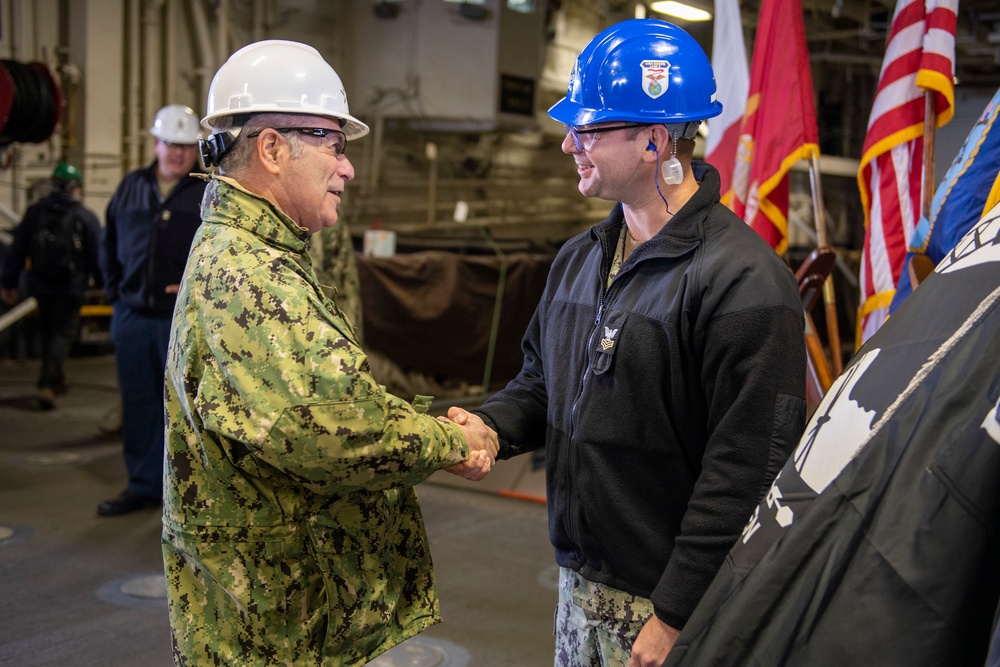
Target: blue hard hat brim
569 112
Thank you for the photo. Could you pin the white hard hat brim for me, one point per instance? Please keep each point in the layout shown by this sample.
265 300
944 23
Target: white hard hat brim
351 126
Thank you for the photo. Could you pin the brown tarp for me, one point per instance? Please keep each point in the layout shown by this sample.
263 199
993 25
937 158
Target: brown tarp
432 312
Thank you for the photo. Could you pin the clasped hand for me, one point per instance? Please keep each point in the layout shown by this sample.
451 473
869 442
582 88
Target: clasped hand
483 445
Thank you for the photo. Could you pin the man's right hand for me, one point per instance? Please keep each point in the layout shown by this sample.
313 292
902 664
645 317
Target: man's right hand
483 445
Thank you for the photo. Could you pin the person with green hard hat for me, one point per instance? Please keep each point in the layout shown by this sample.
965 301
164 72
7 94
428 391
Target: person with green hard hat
56 245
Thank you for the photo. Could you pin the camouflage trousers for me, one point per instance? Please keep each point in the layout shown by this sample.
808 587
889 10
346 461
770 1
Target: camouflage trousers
596 624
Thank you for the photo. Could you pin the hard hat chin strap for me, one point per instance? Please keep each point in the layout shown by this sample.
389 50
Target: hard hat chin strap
687 130
215 146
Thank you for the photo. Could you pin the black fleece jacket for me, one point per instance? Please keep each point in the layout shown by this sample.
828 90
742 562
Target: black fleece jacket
146 241
666 402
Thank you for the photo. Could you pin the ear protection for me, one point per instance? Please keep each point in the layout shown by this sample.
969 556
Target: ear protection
672 171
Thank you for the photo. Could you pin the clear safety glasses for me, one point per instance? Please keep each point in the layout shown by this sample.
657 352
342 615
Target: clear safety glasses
334 141
578 140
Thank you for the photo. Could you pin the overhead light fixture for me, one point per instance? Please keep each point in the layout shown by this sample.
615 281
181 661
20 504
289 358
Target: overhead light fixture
681 11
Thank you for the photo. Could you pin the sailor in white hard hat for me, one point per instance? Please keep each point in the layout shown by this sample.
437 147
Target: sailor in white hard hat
149 224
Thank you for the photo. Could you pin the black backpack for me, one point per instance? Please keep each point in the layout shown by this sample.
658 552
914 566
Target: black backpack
57 245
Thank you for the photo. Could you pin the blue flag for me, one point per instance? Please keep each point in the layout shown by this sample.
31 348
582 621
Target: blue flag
962 197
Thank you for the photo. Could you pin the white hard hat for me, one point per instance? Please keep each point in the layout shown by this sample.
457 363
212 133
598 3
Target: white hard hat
177 124
278 76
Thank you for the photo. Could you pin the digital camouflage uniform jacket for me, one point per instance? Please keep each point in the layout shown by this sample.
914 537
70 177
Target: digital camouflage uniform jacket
291 529
332 252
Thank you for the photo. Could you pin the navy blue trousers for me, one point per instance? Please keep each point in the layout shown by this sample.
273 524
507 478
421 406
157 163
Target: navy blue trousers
141 356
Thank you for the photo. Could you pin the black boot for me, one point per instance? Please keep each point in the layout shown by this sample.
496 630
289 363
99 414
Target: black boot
125 503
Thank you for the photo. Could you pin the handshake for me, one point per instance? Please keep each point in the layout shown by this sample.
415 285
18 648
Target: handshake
483 445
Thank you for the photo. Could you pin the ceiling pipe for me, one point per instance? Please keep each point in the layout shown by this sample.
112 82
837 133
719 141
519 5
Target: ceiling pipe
206 53
222 42
151 71
168 60
131 132
12 38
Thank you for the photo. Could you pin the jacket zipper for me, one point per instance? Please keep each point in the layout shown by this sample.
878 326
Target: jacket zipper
603 283
574 451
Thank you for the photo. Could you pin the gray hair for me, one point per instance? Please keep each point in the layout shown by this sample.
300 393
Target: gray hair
238 159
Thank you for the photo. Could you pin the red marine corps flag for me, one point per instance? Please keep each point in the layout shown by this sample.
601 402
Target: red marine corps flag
779 127
919 60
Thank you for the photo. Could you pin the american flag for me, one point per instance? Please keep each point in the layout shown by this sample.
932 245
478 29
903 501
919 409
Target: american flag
920 56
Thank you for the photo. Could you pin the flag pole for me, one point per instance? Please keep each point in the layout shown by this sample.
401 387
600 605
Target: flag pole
930 128
829 298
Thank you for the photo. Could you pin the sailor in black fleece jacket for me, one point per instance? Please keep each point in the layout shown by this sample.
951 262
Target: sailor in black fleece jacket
664 374
150 223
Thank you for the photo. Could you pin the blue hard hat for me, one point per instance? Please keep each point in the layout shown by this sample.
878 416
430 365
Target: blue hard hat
640 71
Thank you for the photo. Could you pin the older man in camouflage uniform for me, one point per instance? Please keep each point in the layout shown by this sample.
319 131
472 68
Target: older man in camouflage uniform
291 529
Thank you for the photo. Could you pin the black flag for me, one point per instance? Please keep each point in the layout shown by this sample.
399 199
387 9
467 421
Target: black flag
879 541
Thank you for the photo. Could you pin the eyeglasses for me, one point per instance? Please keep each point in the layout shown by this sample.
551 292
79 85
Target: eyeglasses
334 141
575 133
173 144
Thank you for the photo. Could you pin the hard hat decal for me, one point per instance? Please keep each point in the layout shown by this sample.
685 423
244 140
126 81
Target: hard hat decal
654 77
